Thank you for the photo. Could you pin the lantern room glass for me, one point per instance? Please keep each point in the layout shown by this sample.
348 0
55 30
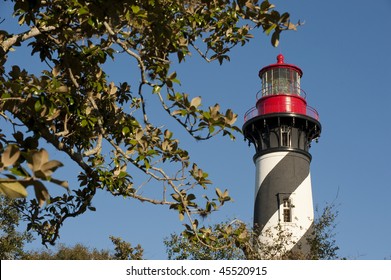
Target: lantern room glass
280 81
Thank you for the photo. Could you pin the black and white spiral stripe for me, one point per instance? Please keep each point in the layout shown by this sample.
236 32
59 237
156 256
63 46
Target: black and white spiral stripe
283 174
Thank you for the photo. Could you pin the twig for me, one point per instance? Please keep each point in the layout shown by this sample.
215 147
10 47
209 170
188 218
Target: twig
127 50
203 55
73 79
140 63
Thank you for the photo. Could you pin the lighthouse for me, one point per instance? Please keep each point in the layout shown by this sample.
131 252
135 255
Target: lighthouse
281 127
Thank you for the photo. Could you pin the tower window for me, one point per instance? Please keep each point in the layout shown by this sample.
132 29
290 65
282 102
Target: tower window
285 136
287 210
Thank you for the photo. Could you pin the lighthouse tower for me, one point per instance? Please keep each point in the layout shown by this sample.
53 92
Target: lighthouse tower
281 126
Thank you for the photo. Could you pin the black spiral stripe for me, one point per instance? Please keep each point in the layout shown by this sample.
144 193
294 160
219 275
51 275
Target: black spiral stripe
285 177
303 244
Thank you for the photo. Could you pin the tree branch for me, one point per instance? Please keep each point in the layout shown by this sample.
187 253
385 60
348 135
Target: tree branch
8 43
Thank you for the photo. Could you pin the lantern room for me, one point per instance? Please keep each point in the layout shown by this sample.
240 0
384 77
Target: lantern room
281 119
281 90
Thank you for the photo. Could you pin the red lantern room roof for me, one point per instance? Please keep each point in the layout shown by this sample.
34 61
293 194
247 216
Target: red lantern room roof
280 64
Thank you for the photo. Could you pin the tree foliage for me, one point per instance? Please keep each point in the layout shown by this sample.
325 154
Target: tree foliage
104 126
63 252
322 242
123 251
11 240
223 247
242 242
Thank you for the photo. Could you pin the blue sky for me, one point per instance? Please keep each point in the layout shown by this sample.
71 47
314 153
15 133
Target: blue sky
344 51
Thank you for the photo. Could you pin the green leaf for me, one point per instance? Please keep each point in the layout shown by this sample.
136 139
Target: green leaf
56 70
219 192
135 9
12 189
176 197
172 76
62 89
175 80
38 159
21 19
147 164
181 56
243 235
84 123
125 131
19 171
275 38
195 102
270 29
10 155
49 167
167 134
41 193
37 106
82 11
63 184
191 197
18 136
206 115
156 89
